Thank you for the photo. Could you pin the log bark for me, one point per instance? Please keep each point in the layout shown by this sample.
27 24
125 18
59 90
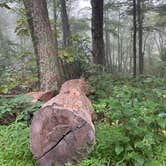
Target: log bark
62 130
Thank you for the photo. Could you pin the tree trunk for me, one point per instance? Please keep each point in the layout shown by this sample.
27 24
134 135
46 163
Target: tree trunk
61 66
113 57
134 39
55 23
108 58
97 32
43 42
140 34
68 68
62 130
121 53
130 70
119 42
65 25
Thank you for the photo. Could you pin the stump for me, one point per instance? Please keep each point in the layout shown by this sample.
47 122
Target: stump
62 130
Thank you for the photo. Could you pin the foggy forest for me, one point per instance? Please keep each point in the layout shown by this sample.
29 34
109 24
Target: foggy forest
82 82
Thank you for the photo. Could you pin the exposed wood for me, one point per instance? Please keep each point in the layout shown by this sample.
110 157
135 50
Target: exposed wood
41 96
62 129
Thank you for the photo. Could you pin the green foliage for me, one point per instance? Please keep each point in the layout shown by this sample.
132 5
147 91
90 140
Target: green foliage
79 26
21 106
17 61
91 162
20 72
125 145
162 65
100 88
132 132
77 52
134 115
75 57
22 26
14 149
4 5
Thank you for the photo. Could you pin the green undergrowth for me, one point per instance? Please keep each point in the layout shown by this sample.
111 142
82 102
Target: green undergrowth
130 121
14 145
19 106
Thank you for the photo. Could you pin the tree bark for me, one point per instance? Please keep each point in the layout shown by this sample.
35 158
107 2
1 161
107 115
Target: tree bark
97 32
62 130
134 39
46 55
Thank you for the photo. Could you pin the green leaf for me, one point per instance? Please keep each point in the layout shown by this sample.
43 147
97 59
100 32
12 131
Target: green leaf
140 160
162 123
138 144
5 5
118 149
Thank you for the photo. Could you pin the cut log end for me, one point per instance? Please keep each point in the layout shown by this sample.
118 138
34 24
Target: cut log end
59 132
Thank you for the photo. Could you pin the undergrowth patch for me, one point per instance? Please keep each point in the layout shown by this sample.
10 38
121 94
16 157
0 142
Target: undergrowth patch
14 145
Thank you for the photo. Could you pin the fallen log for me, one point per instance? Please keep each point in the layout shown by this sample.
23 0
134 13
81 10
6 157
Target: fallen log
41 96
62 130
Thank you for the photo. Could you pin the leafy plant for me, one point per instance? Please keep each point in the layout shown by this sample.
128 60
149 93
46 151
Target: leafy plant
21 106
134 116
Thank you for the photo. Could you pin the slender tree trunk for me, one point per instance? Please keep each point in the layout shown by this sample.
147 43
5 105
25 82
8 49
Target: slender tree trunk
162 46
108 57
119 42
125 60
61 66
140 34
43 42
106 49
55 23
68 68
130 54
97 32
65 24
113 57
121 53
134 39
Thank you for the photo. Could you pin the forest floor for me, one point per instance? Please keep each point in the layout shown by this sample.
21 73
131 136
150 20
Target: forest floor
130 121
